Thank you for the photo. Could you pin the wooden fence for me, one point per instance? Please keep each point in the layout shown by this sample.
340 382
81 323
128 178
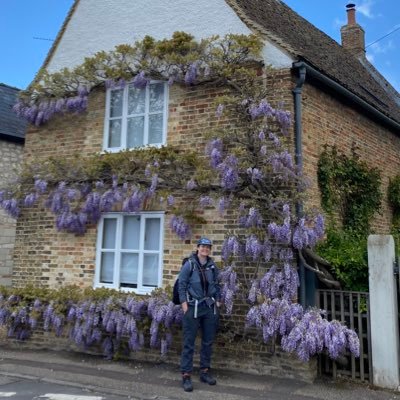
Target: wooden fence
351 308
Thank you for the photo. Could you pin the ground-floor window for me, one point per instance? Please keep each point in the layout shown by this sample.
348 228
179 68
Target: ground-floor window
129 251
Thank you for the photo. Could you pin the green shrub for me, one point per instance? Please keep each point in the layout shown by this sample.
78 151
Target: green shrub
346 251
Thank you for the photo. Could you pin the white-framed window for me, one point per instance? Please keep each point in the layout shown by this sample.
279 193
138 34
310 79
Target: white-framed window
136 117
129 251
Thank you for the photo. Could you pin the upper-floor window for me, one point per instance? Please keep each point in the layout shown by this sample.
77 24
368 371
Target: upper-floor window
136 117
129 252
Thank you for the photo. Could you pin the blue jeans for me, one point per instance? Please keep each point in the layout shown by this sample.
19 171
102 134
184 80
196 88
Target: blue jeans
207 322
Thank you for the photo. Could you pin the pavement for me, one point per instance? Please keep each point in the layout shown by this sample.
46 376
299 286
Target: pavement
150 381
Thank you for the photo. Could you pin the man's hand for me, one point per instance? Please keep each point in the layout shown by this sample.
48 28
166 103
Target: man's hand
219 304
185 307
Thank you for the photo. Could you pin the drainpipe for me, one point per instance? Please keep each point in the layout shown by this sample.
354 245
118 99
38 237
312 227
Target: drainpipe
299 163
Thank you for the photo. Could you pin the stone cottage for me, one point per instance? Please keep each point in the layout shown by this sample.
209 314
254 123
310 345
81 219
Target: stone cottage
335 95
12 136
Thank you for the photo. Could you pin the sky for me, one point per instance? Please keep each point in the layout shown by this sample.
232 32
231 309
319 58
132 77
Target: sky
27 28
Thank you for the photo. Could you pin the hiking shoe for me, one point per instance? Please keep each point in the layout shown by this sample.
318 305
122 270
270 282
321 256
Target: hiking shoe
187 383
207 378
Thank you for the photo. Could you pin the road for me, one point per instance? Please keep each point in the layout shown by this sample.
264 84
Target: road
30 389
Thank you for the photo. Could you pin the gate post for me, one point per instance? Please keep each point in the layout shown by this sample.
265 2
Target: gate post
383 310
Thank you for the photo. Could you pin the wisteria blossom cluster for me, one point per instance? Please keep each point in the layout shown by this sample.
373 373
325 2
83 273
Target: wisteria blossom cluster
303 333
105 323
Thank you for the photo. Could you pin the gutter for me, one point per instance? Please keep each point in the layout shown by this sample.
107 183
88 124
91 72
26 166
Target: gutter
371 111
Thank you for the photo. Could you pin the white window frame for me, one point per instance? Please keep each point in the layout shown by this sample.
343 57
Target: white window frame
124 118
118 250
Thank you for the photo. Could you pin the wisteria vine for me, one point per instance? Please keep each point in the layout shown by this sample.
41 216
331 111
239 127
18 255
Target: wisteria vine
251 173
108 322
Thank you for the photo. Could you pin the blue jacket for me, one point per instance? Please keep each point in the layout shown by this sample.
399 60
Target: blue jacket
190 287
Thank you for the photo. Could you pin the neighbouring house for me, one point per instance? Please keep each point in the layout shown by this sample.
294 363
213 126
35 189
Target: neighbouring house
335 95
12 137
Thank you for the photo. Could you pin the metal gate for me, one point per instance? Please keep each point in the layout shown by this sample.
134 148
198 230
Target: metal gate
352 309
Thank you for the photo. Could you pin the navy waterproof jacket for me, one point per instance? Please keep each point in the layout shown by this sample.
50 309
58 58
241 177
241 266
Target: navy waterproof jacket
190 287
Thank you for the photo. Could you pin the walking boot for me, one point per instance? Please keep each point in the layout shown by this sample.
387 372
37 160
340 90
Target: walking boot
207 378
187 383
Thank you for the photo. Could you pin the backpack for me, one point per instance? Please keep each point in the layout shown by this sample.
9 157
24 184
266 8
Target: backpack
175 291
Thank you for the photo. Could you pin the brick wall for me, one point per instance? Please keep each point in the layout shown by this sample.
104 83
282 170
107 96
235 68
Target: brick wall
10 158
328 121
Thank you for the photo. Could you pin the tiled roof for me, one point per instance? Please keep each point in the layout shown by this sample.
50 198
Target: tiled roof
12 127
304 41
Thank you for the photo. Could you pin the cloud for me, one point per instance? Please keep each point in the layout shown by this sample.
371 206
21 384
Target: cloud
370 58
379 48
365 8
338 23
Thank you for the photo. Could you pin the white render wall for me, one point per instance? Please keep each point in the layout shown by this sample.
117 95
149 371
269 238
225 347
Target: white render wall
101 24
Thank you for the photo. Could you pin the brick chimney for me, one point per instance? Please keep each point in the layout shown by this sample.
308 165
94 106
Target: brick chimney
353 36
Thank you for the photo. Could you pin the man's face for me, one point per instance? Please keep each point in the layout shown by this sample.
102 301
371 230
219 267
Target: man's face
204 250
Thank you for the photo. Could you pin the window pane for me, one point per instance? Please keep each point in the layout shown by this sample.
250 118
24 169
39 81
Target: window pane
152 234
157 97
129 270
116 103
135 132
155 128
109 232
150 270
130 233
114 133
136 100
107 268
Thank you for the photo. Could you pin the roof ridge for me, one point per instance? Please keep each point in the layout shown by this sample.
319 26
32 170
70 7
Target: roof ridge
257 27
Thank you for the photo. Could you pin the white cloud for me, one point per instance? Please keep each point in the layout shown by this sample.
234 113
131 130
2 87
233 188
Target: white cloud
338 23
370 58
365 8
379 48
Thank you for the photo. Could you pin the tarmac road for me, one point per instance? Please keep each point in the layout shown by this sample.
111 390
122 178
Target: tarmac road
93 378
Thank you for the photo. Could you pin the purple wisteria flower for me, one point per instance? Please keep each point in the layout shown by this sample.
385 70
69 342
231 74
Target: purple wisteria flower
179 226
223 204
228 280
191 184
229 173
191 74
231 246
170 200
253 247
134 202
214 152
255 175
205 201
284 119
140 81
220 110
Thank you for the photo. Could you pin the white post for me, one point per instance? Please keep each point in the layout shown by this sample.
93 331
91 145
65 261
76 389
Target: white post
383 308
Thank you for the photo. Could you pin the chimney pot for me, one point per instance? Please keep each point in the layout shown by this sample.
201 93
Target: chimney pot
351 14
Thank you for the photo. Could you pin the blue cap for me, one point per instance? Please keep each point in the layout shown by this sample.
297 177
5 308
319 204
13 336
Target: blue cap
204 241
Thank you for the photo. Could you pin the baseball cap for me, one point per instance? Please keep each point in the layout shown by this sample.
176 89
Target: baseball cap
204 241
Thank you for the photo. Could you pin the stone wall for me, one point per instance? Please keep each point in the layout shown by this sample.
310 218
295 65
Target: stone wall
10 158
